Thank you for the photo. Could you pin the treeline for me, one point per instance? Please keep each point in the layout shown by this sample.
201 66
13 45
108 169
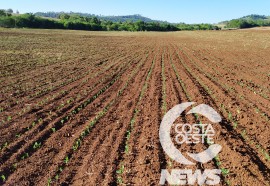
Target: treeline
184 26
77 22
27 21
249 22
240 23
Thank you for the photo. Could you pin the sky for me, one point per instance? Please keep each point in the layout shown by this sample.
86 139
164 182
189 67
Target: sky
175 11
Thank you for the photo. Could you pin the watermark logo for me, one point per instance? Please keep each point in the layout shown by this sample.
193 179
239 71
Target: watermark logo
190 133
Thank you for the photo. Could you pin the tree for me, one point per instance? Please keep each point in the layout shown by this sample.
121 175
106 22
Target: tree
7 22
95 20
10 11
139 26
113 27
2 13
64 16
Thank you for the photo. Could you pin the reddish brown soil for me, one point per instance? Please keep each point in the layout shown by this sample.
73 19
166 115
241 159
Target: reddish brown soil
55 84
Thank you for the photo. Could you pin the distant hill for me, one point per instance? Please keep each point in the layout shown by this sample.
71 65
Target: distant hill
131 18
252 17
255 17
248 21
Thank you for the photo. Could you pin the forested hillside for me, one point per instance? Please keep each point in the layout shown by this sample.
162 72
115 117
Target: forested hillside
249 21
79 22
131 18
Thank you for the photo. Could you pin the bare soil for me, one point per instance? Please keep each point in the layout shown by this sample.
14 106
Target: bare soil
84 108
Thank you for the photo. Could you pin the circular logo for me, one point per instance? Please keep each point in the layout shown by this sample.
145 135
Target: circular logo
167 143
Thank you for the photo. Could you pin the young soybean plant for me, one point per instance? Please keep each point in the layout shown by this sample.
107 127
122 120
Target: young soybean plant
66 160
3 177
36 145
53 130
49 182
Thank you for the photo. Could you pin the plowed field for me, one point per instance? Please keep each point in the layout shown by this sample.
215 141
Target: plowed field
84 108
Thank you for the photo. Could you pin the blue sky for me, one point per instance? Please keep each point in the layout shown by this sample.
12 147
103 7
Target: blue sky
189 11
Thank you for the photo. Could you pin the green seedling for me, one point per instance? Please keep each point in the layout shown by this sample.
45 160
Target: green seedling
235 124
218 163
170 163
228 182
225 171
53 130
40 120
57 177
76 145
49 182
3 178
230 116
243 134
257 110
83 134
26 155
60 169
121 170
126 148
14 166
5 145
128 135
267 156
66 160
119 180
9 118
132 122
37 145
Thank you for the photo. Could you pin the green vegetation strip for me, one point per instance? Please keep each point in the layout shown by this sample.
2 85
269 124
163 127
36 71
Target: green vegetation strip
217 161
121 169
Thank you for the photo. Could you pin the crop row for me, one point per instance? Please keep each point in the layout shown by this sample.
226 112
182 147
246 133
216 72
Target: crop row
231 117
58 95
44 91
121 166
78 141
217 160
206 88
122 68
230 89
58 125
